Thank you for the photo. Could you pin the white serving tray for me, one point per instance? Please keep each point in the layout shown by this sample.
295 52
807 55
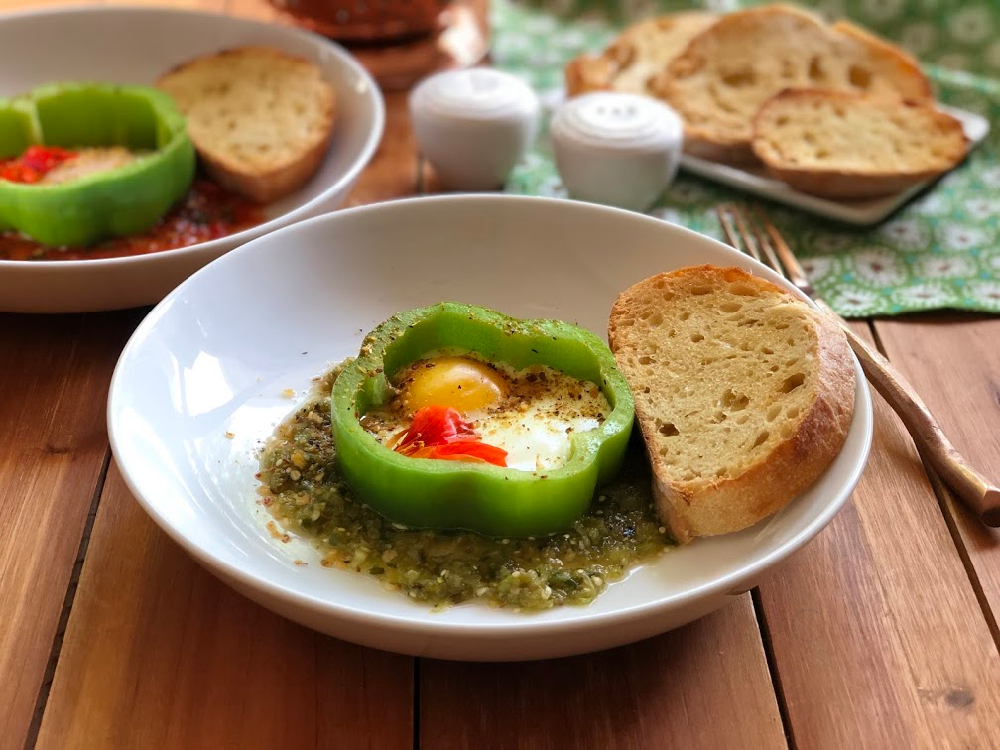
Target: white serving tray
754 179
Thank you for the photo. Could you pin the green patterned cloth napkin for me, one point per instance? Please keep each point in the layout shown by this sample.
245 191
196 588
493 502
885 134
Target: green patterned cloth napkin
939 251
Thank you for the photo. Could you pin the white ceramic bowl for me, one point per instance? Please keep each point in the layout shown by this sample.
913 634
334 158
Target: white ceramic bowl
216 355
136 45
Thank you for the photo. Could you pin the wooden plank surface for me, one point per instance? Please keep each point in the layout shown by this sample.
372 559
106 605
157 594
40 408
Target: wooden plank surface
954 362
878 638
14 5
704 685
876 634
392 173
259 9
159 654
53 384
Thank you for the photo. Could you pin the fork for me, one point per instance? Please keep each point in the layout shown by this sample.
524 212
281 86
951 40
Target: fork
754 235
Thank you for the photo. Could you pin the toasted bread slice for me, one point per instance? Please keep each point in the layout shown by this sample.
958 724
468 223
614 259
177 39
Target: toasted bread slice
844 145
875 66
728 71
640 53
260 120
744 394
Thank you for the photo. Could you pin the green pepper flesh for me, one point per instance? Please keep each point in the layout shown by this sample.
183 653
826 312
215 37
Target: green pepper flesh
115 202
491 500
19 127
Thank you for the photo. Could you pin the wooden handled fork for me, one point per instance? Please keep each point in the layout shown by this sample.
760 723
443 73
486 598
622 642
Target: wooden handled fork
754 235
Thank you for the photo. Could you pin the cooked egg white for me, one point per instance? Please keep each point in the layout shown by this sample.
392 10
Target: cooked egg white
89 161
529 413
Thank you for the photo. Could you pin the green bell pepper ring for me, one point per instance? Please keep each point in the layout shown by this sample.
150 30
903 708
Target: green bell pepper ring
121 201
492 500
19 127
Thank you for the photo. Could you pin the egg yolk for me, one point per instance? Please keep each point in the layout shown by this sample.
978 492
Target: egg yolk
463 384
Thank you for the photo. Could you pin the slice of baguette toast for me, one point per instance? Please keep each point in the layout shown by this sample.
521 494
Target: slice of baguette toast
260 120
637 55
876 66
843 145
728 71
743 393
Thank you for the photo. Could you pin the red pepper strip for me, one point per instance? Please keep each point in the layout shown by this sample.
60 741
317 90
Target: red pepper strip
465 450
434 425
34 164
440 432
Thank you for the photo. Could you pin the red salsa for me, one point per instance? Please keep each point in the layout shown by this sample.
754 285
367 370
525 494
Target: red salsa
31 166
207 212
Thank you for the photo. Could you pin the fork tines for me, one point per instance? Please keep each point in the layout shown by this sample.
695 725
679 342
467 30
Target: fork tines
750 232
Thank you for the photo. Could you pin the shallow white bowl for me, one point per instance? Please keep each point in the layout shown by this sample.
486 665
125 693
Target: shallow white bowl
217 353
137 45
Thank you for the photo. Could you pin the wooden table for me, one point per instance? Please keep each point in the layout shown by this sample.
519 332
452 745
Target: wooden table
881 633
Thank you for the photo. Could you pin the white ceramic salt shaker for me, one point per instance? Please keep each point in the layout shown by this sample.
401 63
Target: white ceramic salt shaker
616 148
473 125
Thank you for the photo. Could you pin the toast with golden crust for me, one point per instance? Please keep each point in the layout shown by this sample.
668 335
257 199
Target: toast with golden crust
744 394
727 72
880 67
637 55
843 145
261 120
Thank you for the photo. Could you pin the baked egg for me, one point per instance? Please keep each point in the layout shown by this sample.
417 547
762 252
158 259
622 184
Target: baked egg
528 415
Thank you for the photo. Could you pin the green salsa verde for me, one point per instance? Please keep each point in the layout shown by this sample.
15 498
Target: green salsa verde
302 488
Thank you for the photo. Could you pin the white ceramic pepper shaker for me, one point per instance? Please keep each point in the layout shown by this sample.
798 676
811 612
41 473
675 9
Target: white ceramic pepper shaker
473 125
616 148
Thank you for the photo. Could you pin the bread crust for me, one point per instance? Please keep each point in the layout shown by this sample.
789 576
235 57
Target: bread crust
716 126
858 182
586 73
603 72
711 507
264 185
723 150
915 86
268 186
840 185
708 140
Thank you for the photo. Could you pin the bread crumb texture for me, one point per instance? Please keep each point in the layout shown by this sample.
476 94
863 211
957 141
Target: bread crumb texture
255 112
743 393
636 56
819 140
728 71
